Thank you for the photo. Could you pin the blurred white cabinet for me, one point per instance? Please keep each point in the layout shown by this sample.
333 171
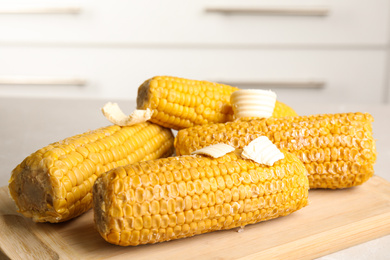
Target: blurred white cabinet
154 22
348 76
322 51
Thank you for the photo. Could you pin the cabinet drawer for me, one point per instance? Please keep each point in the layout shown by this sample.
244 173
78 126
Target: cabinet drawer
174 22
347 76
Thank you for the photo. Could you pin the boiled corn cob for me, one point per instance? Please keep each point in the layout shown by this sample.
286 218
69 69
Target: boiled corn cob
178 197
179 103
54 184
338 150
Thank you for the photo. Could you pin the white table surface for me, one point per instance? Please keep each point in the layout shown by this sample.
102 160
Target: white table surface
27 125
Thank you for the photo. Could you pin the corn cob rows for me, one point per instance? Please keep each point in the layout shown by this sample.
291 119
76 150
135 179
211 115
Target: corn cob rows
338 150
54 184
179 103
178 197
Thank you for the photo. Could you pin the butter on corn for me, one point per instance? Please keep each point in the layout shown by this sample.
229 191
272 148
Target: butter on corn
260 150
179 103
179 197
253 103
263 151
216 150
116 116
338 150
54 184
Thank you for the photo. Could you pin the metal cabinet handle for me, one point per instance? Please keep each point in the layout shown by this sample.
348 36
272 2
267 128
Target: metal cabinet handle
39 10
24 80
271 10
277 83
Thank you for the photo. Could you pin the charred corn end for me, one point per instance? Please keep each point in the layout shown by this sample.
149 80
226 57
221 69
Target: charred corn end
54 184
338 150
178 197
179 103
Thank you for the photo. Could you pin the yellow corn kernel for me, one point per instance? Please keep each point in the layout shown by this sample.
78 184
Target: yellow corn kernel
56 185
231 204
328 144
180 103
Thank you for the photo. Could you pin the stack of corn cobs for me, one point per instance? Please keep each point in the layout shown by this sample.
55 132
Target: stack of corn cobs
141 193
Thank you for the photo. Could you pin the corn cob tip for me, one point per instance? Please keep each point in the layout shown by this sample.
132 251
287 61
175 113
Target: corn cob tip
116 116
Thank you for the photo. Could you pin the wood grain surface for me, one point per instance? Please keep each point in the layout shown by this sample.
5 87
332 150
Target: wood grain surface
334 220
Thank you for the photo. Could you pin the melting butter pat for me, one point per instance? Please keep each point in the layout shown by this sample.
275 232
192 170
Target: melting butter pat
216 150
263 151
115 115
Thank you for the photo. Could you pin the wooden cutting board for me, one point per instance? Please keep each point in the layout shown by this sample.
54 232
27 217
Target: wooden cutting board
334 220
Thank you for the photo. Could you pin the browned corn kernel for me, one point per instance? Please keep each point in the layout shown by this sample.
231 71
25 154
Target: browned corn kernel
178 197
54 184
338 150
180 103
